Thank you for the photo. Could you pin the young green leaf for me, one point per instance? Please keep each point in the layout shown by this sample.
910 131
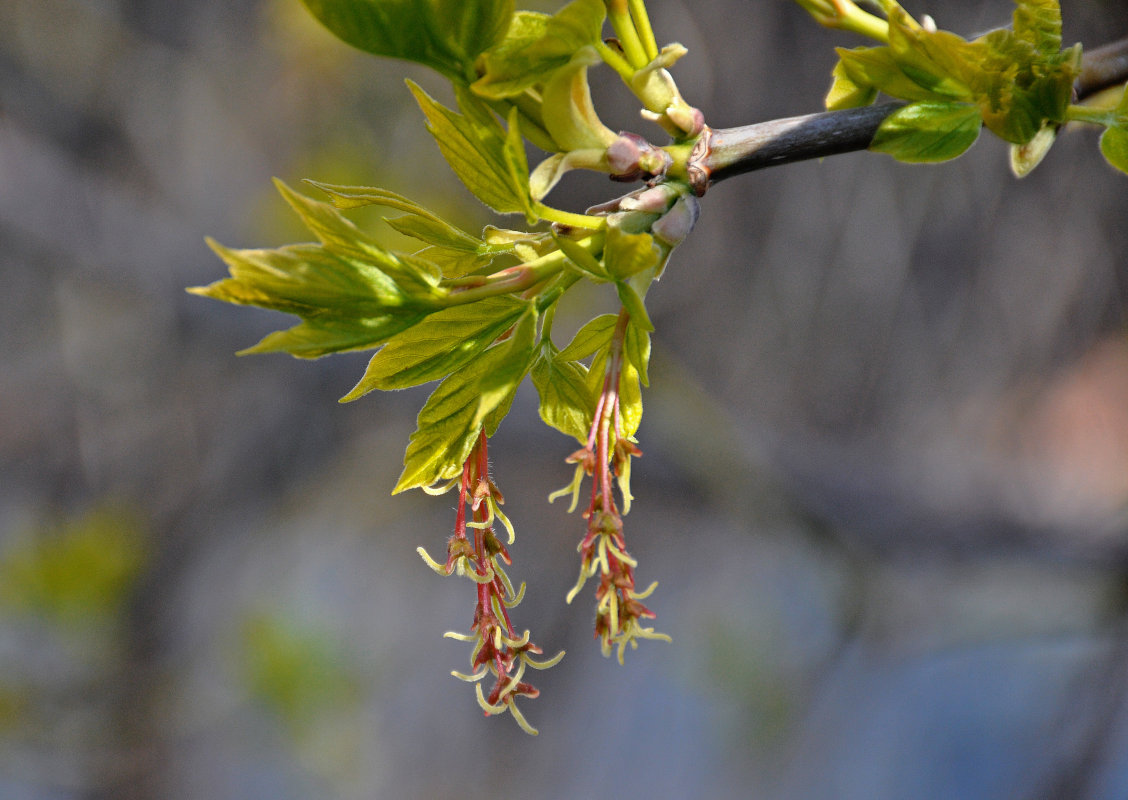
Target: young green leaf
476 147
567 402
1114 147
937 61
498 387
569 115
877 69
637 350
581 259
845 92
1038 23
322 334
446 35
594 335
928 132
344 305
630 400
537 45
627 254
438 345
453 416
418 222
632 302
343 239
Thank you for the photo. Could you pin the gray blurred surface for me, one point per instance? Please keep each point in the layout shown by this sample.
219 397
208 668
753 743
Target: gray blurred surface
886 451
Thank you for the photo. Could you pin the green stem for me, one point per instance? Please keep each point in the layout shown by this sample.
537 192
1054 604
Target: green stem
847 16
546 303
645 31
614 59
620 16
507 281
1092 116
570 218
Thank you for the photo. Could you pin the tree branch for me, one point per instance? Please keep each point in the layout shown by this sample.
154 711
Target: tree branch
726 152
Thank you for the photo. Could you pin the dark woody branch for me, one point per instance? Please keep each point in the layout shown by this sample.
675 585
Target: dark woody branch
726 152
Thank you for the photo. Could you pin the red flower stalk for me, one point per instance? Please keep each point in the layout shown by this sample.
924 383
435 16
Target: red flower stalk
498 650
603 549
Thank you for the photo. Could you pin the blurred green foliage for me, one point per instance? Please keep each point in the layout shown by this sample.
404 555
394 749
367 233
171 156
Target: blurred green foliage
69 571
298 672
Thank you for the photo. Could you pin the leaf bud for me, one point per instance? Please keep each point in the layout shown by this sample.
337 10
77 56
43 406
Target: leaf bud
630 158
652 199
676 224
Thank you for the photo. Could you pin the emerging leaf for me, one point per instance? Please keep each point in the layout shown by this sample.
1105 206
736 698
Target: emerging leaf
1025 157
569 115
637 349
536 46
1038 23
845 92
928 132
419 222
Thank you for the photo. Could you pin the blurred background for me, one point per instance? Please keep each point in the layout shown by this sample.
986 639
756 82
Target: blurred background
883 490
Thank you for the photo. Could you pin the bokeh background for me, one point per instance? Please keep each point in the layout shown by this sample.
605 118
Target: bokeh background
883 490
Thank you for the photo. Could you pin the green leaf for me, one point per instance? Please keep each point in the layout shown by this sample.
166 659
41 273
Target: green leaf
581 259
418 222
455 263
446 35
928 132
453 416
630 400
567 402
499 386
627 254
845 92
344 305
537 45
591 337
1038 22
439 345
637 350
936 61
1019 89
478 150
632 302
343 239
569 114
1114 147
321 335
876 67
302 279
